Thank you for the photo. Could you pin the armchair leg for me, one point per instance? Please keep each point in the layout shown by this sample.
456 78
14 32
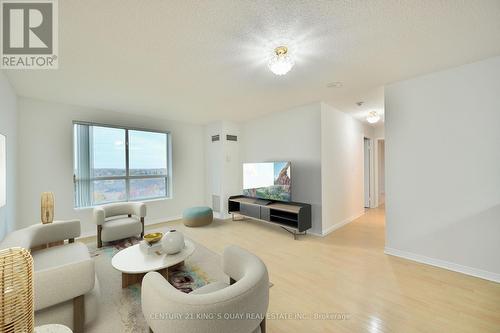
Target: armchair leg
142 222
78 313
99 241
263 326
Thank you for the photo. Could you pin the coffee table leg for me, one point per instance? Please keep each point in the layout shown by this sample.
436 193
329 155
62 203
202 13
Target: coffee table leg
129 279
177 265
164 273
125 280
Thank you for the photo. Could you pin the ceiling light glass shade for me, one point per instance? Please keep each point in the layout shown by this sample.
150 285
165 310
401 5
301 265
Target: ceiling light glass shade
281 62
373 117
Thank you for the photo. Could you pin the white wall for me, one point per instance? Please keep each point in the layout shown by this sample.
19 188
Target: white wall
214 165
443 168
381 168
8 127
46 162
325 147
341 168
377 134
293 135
379 131
233 178
223 164
45 158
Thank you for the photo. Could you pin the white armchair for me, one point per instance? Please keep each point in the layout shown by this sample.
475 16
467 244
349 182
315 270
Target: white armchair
239 307
65 284
119 221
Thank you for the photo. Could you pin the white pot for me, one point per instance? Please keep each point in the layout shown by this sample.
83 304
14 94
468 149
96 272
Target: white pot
172 242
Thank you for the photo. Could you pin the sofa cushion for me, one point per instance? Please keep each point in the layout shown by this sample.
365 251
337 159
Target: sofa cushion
59 255
119 228
62 273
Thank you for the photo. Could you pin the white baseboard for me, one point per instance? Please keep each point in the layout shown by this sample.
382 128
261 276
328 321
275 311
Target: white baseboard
147 223
341 223
88 234
313 233
222 216
162 220
495 277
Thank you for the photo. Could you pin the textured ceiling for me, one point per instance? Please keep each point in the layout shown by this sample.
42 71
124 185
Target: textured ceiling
201 61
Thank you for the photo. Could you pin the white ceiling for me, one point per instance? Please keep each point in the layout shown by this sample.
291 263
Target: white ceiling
201 61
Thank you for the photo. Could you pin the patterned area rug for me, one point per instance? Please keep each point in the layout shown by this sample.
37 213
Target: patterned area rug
120 309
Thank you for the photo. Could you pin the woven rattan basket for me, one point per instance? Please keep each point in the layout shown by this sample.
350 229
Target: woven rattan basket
16 291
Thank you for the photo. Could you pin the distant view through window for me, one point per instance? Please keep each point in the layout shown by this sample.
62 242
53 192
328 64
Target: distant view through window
118 164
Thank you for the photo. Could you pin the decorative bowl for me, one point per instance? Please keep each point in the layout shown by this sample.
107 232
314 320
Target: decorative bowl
172 242
153 237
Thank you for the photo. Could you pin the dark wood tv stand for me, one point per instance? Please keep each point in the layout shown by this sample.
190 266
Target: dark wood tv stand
294 217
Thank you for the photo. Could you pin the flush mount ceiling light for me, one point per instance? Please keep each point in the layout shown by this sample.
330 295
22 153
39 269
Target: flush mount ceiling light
373 117
280 62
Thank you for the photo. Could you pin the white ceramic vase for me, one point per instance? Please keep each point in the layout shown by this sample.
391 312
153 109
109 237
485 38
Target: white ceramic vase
172 242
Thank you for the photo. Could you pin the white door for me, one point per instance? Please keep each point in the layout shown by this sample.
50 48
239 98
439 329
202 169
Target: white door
367 172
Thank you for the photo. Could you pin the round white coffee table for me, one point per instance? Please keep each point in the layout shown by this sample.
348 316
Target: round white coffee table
134 263
52 328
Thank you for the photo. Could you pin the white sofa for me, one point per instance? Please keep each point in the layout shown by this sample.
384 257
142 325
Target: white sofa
213 308
65 285
119 220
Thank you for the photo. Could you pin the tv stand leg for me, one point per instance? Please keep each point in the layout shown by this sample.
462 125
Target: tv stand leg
294 233
234 219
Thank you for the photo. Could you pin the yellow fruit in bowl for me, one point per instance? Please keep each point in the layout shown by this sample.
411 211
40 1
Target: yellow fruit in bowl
153 237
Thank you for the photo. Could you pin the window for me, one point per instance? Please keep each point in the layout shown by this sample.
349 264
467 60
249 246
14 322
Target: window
113 164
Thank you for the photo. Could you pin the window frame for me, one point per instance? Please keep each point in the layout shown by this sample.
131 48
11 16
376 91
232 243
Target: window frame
128 177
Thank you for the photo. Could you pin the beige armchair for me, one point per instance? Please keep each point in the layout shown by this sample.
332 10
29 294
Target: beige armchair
65 284
119 221
238 307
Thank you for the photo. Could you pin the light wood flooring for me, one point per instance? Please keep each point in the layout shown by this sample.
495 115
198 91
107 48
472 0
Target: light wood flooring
347 278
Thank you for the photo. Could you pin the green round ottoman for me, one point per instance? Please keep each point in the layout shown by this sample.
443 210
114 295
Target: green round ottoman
197 216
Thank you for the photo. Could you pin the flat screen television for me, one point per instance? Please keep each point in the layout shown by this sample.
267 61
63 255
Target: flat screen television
268 180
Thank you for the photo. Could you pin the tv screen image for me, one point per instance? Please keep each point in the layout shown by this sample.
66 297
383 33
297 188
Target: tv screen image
268 180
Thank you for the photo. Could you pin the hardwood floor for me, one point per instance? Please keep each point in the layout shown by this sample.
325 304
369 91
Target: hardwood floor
347 275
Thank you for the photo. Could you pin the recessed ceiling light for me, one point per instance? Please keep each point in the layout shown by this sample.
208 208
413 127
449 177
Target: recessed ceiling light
281 62
373 117
335 85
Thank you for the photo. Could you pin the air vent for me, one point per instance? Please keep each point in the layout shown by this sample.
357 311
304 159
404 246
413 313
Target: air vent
231 137
216 203
215 137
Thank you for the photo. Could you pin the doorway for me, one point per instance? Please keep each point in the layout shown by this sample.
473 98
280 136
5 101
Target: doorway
381 172
367 171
